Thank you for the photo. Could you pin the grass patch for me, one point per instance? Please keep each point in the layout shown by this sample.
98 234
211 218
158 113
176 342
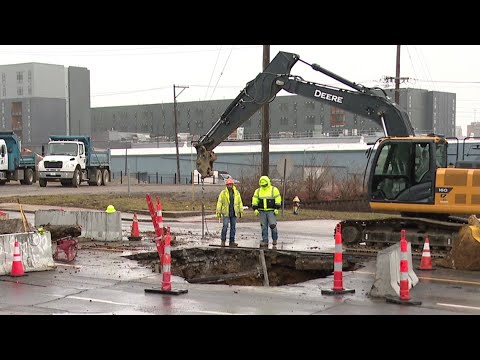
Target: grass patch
137 202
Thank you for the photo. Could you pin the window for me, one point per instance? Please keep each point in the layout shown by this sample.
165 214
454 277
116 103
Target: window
20 77
422 161
337 117
29 76
20 91
310 119
284 121
309 105
283 106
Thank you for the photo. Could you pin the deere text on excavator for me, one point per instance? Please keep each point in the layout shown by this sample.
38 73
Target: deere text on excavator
408 174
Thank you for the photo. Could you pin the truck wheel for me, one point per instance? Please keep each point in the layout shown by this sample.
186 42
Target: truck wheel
77 178
95 177
105 177
42 182
28 177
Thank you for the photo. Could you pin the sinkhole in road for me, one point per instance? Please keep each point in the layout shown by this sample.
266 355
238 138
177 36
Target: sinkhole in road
245 266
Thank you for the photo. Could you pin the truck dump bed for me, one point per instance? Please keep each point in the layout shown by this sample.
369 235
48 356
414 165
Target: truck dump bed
99 158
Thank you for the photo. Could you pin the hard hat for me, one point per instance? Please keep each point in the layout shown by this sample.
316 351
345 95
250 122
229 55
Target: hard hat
263 180
229 181
296 199
110 209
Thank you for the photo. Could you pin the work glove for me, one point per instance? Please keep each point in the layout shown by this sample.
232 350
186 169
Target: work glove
275 211
256 212
218 215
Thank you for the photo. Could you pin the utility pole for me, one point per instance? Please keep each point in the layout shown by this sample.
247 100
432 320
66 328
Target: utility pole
397 78
265 121
176 126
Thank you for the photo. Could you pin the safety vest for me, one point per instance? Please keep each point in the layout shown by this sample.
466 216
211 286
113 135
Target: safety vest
266 199
223 202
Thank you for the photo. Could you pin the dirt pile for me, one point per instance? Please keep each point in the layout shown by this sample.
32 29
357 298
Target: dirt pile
465 252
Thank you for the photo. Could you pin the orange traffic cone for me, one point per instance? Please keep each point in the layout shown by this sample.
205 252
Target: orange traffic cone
426 262
135 234
17 265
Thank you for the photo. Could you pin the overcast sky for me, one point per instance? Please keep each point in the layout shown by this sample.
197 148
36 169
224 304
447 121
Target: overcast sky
145 74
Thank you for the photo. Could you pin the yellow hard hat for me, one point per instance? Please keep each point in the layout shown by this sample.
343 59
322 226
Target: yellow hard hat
296 199
110 209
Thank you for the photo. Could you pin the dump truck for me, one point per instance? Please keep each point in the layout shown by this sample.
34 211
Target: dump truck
16 164
71 159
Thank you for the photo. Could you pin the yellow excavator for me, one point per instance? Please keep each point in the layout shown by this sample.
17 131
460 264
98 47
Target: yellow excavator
408 174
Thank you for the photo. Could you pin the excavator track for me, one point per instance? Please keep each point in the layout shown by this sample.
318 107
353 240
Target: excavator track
385 232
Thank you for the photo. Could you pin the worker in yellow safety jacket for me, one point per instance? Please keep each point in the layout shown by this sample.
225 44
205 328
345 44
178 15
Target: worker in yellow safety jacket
266 201
230 206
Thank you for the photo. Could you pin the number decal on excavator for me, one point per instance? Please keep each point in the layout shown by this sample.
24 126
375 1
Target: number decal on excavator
443 190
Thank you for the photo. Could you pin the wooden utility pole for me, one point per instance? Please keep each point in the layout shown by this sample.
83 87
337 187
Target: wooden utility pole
266 121
397 78
178 181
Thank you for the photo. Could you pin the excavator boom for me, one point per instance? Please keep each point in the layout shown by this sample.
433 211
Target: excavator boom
263 89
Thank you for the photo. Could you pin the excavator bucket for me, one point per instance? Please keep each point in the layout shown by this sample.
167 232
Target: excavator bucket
465 252
205 161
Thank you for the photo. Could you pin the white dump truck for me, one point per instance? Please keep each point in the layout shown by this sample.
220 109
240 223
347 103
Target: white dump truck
72 159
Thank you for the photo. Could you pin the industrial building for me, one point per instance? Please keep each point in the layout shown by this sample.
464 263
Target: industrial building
290 116
39 99
303 130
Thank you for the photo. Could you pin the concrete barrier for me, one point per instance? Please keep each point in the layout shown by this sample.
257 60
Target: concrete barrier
387 275
96 225
35 249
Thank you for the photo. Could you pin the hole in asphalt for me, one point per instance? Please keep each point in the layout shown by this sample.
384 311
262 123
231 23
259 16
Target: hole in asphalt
244 267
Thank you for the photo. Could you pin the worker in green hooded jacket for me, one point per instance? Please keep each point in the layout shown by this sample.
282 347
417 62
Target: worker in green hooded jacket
266 202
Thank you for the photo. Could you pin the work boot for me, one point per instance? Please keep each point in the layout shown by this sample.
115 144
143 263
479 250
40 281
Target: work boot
263 245
222 243
274 242
233 244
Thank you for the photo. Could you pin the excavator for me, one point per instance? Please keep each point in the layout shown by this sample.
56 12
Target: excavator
408 174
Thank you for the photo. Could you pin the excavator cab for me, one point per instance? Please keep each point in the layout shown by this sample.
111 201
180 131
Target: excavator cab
403 171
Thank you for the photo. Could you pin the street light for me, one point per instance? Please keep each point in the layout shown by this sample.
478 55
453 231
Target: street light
176 126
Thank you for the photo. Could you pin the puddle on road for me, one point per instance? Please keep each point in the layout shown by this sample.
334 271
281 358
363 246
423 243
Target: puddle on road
244 266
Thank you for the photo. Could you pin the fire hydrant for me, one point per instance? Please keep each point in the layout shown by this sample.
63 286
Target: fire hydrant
296 205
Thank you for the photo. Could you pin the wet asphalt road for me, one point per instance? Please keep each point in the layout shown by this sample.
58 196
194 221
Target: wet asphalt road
105 282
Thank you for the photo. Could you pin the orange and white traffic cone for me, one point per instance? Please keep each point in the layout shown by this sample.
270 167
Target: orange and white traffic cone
17 265
135 234
426 262
337 267
166 271
404 282
160 244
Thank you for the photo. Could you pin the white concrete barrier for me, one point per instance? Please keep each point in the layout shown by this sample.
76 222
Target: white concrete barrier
96 225
387 275
35 250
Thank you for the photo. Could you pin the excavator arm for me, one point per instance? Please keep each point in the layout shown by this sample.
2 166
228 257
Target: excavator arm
258 92
275 77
